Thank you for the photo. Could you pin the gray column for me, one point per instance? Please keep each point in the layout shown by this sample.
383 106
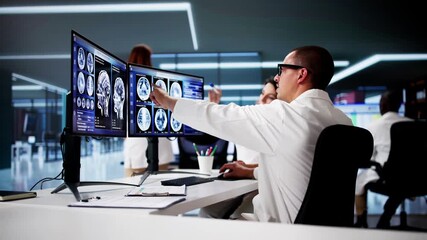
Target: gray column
6 113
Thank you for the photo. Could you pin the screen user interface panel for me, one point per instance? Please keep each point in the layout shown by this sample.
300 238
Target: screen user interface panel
147 119
98 90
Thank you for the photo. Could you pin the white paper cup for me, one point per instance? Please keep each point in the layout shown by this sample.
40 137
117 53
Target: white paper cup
205 164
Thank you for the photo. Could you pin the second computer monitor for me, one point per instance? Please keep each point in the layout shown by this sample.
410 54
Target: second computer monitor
148 120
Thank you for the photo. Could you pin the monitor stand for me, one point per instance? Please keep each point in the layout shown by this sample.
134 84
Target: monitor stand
71 166
153 161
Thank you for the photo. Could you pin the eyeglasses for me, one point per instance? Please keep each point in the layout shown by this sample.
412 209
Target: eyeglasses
291 66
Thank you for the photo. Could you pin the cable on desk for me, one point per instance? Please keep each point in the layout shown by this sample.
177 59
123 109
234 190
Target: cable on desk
60 176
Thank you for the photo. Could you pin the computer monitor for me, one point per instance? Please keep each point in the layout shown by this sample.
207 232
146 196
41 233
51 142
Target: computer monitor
98 88
148 120
96 105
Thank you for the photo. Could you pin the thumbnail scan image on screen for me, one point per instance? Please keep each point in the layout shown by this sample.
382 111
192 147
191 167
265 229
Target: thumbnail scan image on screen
98 89
145 118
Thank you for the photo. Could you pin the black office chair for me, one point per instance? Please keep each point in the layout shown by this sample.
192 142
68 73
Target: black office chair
188 156
340 151
403 176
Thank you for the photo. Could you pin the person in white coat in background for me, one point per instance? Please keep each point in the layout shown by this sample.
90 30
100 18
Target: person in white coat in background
380 129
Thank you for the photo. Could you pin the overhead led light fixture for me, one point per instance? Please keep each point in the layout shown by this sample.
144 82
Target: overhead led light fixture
27 88
48 86
238 87
35 57
109 8
238 98
232 65
373 60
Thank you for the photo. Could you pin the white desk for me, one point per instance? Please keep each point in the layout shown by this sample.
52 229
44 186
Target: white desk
197 195
26 221
48 217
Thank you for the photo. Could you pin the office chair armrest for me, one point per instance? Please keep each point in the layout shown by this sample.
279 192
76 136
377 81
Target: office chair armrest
377 167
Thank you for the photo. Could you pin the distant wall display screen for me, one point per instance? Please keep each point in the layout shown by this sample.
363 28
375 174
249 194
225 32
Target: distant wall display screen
147 119
99 83
362 115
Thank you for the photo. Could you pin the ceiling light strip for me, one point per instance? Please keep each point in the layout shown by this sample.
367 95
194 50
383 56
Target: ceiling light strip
35 104
27 88
35 57
230 65
108 8
50 87
237 87
96 8
238 98
373 60
192 28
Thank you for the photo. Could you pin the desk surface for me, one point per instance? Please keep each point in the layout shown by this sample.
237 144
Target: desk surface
197 195
25 221
48 217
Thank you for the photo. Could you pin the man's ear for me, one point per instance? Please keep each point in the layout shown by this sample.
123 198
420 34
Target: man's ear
302 75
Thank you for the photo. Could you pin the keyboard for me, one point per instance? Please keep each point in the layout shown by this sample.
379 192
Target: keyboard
188 181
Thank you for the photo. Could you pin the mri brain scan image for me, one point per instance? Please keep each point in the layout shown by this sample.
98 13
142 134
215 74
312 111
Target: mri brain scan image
81 58
175 124
89 85
144 119
92 104
143 88
103 92
119 97
79 102
81 82
89 62
160 119
161 84
83 103
176 90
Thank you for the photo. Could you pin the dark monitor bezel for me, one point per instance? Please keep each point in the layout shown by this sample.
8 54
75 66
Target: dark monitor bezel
169 134
109 132
30 123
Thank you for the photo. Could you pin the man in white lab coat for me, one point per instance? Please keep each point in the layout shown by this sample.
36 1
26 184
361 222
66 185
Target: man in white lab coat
284 132
389 108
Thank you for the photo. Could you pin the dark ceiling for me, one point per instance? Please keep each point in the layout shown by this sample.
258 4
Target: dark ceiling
352 30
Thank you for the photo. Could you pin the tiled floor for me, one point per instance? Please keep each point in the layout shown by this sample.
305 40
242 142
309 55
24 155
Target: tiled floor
26 171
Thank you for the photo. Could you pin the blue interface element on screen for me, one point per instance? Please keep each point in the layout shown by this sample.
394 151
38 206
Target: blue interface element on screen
148 120
98 88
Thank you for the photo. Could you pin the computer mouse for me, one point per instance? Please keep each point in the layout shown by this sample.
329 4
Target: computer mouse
220 176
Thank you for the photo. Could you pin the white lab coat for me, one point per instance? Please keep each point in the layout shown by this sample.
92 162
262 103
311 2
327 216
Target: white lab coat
285 134
247 155
380 130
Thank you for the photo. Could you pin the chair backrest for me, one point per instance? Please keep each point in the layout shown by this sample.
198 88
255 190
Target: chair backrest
406 167
340 151
188 156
